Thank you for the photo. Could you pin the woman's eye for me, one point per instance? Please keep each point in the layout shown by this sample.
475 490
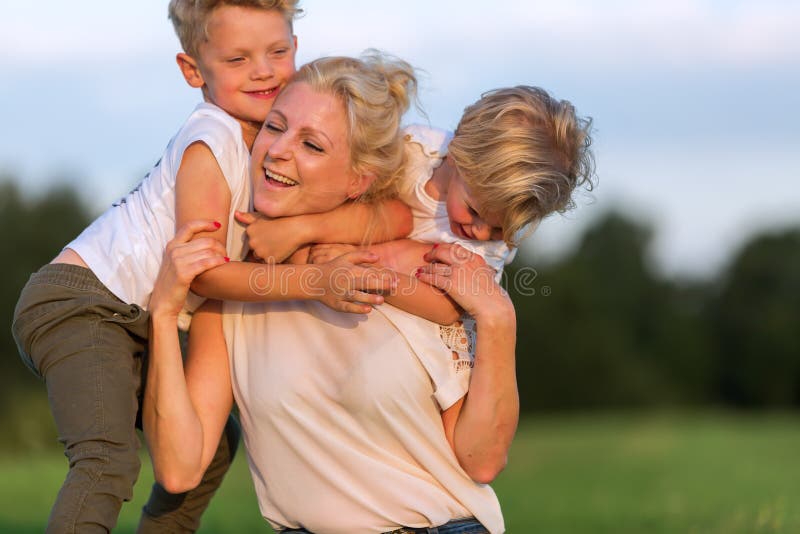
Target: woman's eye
237 59
272 127
312 146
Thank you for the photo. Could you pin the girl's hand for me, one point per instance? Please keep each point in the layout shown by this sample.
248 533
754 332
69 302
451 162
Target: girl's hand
184 259
325 252
466 278
272 240
344 284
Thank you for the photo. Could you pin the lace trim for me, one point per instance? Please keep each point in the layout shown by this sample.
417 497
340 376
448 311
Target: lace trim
460 338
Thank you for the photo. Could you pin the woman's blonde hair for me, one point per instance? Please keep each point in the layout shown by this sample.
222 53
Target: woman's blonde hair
375 91
521 154
190 17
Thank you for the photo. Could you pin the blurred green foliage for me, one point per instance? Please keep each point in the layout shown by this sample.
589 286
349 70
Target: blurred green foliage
34 231
601 329
597 329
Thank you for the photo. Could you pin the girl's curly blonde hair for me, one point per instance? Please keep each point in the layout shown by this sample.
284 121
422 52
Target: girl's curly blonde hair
521 154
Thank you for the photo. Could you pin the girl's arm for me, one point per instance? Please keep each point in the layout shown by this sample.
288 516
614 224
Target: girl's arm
184 410
481 426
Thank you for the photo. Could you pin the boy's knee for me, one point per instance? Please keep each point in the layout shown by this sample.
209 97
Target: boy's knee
114 468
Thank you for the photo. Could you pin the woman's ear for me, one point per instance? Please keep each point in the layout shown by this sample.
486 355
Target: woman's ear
360 184
190 70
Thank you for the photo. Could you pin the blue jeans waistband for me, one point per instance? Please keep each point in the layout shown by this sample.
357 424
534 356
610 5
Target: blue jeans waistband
457 526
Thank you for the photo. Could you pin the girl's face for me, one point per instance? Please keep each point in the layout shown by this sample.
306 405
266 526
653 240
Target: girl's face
465 220
301 156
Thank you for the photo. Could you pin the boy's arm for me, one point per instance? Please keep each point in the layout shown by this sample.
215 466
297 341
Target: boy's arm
403 256
344 284
275 240
202 193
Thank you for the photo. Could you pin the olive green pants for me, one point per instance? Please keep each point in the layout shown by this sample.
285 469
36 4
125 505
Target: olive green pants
90 349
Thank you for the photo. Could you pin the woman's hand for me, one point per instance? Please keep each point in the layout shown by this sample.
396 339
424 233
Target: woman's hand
184 259
272 240
466 278
346 284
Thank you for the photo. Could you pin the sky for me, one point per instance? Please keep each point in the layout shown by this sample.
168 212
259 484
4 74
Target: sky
695 103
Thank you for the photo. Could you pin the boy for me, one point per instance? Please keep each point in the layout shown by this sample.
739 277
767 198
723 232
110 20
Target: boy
81 322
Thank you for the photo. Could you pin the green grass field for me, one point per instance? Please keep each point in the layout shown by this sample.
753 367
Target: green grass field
712 473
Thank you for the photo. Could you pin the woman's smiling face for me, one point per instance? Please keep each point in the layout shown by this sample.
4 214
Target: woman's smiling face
301 157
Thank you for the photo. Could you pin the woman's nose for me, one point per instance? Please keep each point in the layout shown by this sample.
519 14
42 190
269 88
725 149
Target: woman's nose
280 148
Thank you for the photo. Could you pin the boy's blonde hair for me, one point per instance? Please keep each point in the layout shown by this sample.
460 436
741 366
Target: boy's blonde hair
375 90
190 17
521 154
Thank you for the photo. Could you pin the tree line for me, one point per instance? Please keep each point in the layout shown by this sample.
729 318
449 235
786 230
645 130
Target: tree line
612 333
597 329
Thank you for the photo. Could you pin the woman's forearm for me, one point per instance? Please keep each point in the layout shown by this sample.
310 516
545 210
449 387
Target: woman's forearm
489 415
172 428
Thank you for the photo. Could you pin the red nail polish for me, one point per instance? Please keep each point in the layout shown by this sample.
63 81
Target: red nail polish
227 259
217 224
435 245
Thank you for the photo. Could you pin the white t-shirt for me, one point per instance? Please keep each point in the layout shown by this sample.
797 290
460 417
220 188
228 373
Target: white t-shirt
341 425
125 245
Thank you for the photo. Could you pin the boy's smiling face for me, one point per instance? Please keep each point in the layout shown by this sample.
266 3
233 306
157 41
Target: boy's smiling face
246 60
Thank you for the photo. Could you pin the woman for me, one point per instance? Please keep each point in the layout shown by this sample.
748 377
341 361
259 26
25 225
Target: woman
341 424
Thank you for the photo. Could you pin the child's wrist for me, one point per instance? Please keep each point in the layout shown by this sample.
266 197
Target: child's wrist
496 313
305 230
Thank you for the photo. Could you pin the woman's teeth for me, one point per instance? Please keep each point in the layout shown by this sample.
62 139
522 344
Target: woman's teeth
278 178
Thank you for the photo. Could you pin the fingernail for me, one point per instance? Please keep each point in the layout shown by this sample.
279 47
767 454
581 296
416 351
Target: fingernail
435 245
217 224
227 259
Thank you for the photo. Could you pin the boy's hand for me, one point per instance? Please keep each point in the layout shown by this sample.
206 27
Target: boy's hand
346 285
325 252
272 240
184 259
466 278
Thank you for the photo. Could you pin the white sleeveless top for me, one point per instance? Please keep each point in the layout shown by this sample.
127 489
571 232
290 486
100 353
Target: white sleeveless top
446 352
341 425
125 245
425 149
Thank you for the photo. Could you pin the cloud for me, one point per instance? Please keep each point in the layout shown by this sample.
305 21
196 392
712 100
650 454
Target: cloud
681 33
